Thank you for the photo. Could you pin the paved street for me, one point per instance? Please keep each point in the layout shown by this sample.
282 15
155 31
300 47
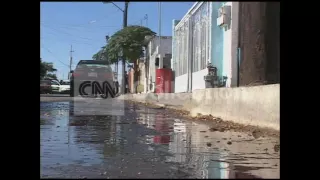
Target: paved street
134 141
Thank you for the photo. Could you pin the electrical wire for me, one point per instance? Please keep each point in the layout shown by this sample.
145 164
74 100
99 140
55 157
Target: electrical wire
138 22
70 34
68 41
54 56
88 23
86 30
73 42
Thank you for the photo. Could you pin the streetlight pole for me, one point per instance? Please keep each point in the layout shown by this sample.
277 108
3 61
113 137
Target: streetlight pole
159 48
125 23
125 20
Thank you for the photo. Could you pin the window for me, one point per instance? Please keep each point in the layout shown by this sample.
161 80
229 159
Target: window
200 35
181 50
197 38
55 83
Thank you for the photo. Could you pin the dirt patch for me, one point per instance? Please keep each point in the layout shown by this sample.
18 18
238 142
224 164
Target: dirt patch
216 123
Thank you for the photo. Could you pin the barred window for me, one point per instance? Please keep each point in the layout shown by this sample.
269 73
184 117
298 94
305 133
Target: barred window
198 40
181 50
200 35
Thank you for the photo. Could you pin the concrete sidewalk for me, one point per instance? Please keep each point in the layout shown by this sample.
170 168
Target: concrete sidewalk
257 105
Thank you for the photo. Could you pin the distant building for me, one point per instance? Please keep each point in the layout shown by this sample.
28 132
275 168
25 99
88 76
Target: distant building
153 58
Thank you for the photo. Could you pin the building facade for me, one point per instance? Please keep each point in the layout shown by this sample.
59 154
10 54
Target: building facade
198 39
137 87
157 58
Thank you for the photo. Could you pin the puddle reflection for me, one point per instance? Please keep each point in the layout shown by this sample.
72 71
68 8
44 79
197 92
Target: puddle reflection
143 135
183 144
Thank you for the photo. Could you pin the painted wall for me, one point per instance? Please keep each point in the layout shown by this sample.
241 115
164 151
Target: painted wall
217 39
180 83
166 48
198 79
230 46
141 78
193 80
130 80
223 55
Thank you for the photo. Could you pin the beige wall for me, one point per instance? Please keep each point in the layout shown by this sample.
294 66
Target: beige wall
257 105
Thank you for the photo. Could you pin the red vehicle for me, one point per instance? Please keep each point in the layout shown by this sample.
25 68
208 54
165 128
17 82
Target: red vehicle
45 87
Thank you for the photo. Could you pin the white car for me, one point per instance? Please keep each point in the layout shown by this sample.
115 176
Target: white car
55 86
64 86
58 87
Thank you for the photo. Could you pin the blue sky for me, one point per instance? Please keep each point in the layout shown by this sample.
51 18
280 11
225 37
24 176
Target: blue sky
84 25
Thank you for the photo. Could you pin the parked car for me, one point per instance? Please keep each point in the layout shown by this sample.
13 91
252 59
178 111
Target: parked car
45 87
92 70
65 86
55 86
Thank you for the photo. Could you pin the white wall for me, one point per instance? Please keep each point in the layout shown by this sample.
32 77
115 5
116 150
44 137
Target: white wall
227 55
198 79
230 35
166 48
180 83
166 44
152 71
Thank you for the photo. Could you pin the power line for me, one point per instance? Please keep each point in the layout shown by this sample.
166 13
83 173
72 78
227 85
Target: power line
54 56
73 41
69 33
70 42
86 28
141 20
57 32
88 23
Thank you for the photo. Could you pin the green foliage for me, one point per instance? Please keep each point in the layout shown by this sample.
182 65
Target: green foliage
46 68
42 69
101 55
128 43
53 76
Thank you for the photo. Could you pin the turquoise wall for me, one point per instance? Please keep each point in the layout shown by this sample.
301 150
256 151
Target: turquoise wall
217 39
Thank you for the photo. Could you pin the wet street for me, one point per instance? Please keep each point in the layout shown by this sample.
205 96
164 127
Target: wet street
146 143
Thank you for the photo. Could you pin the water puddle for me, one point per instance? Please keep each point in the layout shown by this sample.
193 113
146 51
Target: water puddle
146 143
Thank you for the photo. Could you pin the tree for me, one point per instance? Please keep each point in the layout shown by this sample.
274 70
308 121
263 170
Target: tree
53 76
128 43
42 69
49 67
46 68
101 55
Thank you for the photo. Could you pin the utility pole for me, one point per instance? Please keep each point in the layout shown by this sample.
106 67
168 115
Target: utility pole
146 18
159 48
70 66
125 19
